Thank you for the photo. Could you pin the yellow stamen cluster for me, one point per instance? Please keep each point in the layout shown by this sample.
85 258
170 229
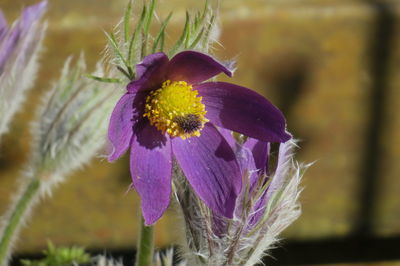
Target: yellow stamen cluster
176 109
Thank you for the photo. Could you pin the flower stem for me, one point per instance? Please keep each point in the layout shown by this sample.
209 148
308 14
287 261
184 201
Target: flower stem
144 255
15 217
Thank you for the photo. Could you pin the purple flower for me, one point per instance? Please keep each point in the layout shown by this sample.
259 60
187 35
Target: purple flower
20 44
170 113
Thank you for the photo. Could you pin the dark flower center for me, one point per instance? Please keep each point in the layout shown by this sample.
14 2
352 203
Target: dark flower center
189 123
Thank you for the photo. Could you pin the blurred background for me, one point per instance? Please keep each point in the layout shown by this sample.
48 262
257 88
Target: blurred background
331 66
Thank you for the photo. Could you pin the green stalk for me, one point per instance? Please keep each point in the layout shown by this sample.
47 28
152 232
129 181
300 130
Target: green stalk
18 213
145 249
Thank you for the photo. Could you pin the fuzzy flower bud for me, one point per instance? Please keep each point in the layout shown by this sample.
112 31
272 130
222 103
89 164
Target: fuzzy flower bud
267 204
70 128
20 45
72 122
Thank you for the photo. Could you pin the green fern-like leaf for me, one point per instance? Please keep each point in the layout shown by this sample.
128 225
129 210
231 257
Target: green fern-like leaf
60 256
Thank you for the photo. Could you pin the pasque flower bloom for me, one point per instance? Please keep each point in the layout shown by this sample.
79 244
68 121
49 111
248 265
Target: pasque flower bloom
169 113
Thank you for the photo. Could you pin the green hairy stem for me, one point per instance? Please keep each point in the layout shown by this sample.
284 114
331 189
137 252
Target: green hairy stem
145 249
13 221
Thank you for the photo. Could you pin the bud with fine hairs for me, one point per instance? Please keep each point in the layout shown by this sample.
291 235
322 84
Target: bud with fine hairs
70 128
20 46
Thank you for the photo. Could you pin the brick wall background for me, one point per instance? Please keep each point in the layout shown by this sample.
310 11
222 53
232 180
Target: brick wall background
332 67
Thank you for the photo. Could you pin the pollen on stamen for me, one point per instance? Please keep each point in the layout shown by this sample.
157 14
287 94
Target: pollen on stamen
176 109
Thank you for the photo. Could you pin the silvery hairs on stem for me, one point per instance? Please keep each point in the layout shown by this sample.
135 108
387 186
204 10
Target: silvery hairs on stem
243 240
20 46
70 127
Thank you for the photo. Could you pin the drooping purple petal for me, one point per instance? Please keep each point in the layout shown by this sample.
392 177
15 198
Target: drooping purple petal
242 110
151 168
249 162
250 173
209 164
252 157
150 73
195 67
120 130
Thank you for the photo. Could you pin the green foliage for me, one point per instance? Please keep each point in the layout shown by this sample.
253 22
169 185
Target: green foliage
104 79
128 45
60 256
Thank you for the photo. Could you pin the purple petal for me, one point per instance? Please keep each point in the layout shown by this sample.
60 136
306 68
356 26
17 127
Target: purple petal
3 26
209 164
150 73
32 14
151 168
227 134
120 130
243 110
219 224
260 151
244 154
20 32
194 67
253 159
8 46
285 154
